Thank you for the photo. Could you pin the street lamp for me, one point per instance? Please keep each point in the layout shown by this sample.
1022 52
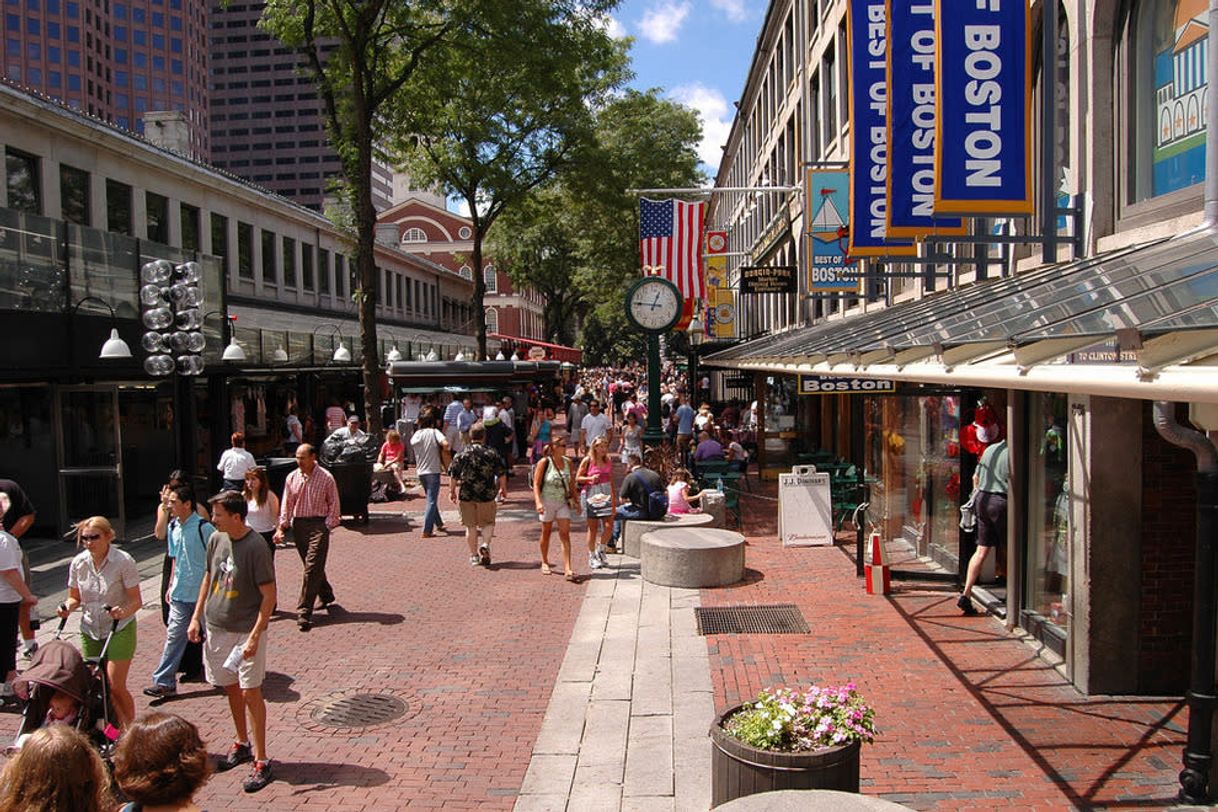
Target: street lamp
232 351
696 333
499 356
114 346
341 355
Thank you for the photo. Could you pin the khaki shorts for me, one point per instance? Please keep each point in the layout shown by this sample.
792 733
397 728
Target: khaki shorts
216 648
477 514
555 510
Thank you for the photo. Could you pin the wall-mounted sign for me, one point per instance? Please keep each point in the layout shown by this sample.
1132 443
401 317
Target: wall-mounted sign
868 100
983 92
767 279
911 123
537 353
716 242
827 385
827 226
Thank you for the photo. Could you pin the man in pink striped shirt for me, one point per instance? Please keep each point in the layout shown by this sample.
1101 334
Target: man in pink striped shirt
309 508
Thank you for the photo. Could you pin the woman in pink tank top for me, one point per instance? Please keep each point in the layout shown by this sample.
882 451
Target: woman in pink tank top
595 479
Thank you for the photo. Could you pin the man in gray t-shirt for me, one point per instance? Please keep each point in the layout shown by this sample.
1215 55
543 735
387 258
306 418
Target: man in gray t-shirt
237 597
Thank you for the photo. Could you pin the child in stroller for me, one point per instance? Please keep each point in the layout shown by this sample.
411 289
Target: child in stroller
61 687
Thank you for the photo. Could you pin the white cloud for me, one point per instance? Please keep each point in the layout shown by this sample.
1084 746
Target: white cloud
661 23
613 26
457 205
716 115
733 9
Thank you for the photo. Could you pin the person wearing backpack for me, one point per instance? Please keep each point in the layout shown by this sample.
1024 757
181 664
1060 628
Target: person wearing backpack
642 496
555 498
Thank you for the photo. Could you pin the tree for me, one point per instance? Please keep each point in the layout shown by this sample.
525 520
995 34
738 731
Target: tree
501 114
360 54
575 239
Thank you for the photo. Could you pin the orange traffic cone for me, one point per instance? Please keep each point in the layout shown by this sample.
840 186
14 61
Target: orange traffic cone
879 577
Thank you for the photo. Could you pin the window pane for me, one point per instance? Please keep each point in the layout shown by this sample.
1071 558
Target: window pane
245 250
1048 509
189 216
74 194
118 207
323 270
157 212
340 275
219 240
24 188
306 265
269 275
289 262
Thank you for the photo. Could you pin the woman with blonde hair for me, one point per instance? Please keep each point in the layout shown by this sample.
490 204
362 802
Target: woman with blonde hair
55 771
161 763
554 497
595 479
104 583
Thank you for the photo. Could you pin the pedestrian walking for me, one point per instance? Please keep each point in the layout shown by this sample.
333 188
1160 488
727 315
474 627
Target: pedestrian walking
104 583
161 763
336 416
235 602
575 419
539 432
632 437
476 476
498 435
595 424
685 415
554 496
14 594
412 406
191 665
599 502
235 462
262 505
466 418
18 519
293 431
429 447
309 509
991 481
188 539
452 431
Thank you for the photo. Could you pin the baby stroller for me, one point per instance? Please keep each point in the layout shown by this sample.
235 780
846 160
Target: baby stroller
59 666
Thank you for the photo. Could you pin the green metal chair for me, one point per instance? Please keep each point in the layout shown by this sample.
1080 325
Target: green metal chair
846 491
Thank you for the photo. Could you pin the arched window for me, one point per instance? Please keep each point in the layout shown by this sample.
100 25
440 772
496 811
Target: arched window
414 235
1168 42
492 320
467 272
491 279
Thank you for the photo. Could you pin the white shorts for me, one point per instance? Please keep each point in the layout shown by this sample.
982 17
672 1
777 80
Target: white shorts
217 648
555 510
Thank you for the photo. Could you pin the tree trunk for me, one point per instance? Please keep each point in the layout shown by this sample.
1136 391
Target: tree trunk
479 278
365 255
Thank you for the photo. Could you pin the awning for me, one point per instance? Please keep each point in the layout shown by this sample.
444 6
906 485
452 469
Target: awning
561 351
1139 322
435 376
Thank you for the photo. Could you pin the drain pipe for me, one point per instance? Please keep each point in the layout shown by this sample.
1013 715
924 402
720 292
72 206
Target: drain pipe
1211 133
1198 752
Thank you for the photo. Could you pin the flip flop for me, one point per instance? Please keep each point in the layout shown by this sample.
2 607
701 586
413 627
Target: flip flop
572 578
545 569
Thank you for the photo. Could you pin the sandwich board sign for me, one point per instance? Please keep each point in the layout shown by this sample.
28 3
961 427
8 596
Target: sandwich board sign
805 508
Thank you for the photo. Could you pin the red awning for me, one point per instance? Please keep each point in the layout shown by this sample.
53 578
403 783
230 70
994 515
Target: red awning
561 352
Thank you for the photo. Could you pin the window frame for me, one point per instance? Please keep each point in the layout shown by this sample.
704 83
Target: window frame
32 165
68 172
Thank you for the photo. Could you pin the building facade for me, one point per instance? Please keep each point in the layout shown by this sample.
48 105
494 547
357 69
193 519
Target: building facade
114 60
1068 353
83 205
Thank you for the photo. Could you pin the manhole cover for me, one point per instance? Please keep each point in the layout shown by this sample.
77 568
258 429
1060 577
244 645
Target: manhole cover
359 710
782 618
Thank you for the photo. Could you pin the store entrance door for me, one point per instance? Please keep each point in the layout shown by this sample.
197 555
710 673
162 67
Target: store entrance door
90 455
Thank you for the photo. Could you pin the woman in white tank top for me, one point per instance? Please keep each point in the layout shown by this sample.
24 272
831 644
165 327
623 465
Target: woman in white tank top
263 504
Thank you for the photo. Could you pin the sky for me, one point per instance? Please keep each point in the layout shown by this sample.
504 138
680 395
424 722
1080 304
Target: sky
697 52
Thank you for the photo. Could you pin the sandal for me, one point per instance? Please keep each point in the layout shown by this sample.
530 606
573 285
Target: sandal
572 578
545 568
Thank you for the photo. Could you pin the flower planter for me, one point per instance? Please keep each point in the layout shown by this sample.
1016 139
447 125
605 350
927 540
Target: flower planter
739 769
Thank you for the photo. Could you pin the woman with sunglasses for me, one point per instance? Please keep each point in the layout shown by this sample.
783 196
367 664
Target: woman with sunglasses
554 495
104 582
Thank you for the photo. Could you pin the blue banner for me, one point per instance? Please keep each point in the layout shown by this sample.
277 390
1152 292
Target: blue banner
867 37
911 122
983 147
827 226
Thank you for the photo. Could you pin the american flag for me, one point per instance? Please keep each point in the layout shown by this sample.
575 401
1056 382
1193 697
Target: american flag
670 235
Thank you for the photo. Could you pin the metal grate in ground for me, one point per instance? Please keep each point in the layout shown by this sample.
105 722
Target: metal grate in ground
359 711
779 618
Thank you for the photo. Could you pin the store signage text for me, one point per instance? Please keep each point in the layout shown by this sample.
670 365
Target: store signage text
827 228
983 71
767 279
824 385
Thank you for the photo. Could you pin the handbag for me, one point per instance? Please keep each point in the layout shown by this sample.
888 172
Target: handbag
968 514
598 500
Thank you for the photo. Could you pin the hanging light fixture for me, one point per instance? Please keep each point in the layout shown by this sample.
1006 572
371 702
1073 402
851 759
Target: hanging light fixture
431 355
460 356
394 354
342 355
280 355
114 346
500 356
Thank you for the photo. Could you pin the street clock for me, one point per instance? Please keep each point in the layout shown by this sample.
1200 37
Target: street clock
653 304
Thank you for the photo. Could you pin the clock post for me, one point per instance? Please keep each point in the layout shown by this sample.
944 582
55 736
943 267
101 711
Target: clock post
653 305
653 434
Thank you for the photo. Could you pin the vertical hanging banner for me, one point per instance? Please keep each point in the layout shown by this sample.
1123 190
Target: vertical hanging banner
866 35
721 304
983 91
827 228
911 122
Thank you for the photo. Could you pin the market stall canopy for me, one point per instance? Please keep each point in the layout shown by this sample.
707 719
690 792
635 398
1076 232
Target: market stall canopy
435 376
1138 322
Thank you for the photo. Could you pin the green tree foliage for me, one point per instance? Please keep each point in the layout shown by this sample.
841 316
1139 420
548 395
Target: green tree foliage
576 239
501 113
360 54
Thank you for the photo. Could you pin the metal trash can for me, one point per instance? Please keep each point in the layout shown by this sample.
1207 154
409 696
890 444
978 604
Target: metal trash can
354 480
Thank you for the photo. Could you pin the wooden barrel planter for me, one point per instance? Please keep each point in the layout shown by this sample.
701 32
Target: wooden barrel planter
738 769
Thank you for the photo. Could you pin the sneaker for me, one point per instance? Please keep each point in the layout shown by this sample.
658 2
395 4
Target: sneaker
259 778
30 647
600 553
238 754
593 562
966 605
475 561
484 554
159 691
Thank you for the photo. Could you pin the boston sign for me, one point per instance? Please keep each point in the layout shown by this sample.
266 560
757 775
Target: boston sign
983 72
826 385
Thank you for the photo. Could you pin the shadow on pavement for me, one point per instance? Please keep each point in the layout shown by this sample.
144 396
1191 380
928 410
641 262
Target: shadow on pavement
277 687
316 776
336 615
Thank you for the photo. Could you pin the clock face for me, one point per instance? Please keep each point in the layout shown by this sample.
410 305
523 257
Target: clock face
654 304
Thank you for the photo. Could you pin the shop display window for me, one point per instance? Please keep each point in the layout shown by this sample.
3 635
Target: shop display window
1048 509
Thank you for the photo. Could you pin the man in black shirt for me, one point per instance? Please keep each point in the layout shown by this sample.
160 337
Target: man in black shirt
481 475
634 497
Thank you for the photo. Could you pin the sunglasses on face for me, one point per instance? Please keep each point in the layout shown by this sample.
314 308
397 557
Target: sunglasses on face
90 536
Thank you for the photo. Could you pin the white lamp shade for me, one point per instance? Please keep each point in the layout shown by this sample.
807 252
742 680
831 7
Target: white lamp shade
696 331
460 357
499 356
280 355
233 351
115 347
431 355
342 355
394 355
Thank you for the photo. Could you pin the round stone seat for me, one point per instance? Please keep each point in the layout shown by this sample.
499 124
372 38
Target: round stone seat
809 800
692 557
634 529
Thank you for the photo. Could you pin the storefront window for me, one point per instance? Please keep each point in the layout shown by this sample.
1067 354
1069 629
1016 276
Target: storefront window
1048 510
912 452
779 420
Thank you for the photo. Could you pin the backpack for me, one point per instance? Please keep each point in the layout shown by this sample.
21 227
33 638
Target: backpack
657 502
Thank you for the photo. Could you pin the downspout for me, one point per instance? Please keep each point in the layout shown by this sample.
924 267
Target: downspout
1198 751
1211 132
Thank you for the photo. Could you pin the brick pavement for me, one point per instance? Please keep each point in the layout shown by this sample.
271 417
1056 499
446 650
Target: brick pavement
970 717
474 653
